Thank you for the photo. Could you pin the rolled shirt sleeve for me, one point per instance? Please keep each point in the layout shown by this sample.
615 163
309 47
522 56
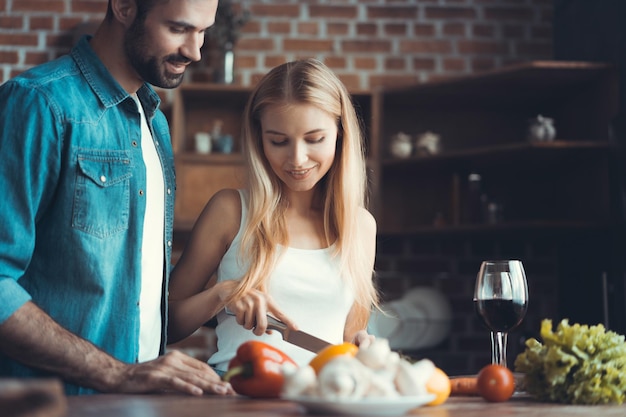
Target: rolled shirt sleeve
13 297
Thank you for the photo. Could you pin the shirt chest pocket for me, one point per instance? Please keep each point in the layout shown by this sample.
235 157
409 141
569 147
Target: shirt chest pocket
102 193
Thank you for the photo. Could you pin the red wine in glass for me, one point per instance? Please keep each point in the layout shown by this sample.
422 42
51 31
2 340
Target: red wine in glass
501 315
501 300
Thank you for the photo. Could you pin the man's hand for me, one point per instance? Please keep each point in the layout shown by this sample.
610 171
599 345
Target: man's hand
174 371
33 338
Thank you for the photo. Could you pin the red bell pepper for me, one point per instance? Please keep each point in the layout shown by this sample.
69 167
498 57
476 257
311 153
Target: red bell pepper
256 370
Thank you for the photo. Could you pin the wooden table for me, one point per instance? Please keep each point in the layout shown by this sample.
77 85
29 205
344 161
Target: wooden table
215 406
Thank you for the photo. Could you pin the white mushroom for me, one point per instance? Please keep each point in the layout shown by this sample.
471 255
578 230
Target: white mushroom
298 381
376 355
411 379
375 371
344 377
382 384
391 365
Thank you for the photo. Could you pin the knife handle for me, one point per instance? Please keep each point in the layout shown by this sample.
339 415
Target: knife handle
275 324
272 323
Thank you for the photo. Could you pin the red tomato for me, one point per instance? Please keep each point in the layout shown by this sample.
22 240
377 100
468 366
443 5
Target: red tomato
495 383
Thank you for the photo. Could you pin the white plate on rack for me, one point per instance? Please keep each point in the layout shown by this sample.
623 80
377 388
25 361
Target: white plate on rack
420 319
397 406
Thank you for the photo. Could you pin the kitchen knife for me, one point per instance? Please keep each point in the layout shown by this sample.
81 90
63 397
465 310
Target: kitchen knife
299 338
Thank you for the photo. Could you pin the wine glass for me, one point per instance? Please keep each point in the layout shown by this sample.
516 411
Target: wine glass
501 301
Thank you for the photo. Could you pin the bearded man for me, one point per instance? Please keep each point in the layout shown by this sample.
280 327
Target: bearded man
87 219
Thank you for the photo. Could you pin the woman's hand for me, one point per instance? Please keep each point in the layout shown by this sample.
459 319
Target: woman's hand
252 308
363 339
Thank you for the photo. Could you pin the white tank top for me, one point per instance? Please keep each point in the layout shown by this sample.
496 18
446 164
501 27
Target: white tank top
306 285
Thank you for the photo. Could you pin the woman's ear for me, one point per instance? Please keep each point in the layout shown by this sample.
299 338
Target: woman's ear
124 11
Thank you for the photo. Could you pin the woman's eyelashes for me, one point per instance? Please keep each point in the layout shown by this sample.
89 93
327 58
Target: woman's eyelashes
285 141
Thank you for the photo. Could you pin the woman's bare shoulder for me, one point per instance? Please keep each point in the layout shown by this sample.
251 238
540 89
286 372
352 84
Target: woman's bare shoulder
367 221
226 198
222 213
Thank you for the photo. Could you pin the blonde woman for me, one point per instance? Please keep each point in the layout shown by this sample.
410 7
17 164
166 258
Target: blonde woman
297 243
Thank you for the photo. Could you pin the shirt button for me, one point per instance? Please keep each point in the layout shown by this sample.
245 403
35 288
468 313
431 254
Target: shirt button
140 192
169 191
134 143
103 178
169 243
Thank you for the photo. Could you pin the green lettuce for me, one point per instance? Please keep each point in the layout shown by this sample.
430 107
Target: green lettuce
577 364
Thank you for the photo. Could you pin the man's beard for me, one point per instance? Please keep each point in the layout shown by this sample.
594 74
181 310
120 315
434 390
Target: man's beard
150 68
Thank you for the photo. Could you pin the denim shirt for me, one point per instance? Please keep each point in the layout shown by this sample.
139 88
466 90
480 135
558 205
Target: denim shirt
72 183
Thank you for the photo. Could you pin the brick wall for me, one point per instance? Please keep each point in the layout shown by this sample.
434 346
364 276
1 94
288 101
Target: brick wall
368 43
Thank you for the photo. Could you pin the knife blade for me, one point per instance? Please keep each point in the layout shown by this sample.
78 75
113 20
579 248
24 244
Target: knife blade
298 337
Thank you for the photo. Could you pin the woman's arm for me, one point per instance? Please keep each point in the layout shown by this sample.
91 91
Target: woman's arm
194 294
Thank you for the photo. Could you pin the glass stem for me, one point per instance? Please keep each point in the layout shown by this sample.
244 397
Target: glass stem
498 348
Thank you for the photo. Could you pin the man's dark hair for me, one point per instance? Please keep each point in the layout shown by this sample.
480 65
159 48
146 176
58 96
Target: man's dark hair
143 7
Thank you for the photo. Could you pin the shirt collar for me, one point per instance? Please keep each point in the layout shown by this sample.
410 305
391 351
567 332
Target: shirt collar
108 90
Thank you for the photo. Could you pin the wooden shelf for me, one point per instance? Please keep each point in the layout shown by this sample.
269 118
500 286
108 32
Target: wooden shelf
493 108
210 158
513 85
197 107
518 228
483 123
497 153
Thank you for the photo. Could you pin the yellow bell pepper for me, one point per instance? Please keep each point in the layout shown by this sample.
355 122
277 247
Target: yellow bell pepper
330 352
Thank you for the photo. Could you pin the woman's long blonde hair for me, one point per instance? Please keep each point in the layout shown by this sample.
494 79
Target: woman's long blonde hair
341 193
